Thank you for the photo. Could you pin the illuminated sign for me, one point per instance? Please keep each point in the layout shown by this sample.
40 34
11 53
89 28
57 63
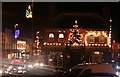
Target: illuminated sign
17 32
21 45
29 12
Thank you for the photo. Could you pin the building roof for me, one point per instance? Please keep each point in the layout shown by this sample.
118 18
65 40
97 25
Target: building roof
85 20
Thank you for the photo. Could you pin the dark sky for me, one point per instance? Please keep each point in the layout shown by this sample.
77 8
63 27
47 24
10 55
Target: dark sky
45 12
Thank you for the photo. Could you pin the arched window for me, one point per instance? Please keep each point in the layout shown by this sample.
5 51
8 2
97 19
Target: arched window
61 35
101 39
91 39
51 35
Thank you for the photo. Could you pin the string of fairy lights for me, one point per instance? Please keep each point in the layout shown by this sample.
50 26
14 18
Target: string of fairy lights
80 37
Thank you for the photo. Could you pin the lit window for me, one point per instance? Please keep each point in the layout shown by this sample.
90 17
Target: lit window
101 39
118 46
51 35
91 39
61 35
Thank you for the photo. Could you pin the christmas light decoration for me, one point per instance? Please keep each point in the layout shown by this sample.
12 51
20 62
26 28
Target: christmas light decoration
110 32
29 12
75 35
101 35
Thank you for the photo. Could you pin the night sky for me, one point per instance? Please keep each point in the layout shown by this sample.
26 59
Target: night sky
45 12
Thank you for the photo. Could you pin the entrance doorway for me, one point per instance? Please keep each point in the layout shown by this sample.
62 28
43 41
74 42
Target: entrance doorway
76 58
97 57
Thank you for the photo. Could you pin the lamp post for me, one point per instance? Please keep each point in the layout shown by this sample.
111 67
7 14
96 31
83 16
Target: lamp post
15 36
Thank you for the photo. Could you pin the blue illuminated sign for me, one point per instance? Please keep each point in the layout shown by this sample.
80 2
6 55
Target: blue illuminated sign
17 32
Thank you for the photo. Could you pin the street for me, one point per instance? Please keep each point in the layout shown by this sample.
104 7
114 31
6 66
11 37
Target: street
43 71
40 71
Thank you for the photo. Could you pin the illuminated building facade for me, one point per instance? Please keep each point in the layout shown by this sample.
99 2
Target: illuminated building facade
116 50
70 46
9 50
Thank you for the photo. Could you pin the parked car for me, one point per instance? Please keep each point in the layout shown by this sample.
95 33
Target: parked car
100 75
84 69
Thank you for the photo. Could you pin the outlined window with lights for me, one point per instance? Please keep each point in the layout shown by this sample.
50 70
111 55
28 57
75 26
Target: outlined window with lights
51 37
101 39
61 37
91 39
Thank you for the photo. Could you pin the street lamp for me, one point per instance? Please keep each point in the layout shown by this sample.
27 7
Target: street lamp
15 26
17 32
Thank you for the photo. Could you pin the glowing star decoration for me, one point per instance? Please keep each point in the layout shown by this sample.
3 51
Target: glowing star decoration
29 12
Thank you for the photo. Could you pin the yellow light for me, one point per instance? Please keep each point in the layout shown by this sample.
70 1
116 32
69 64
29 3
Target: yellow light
51 35
105 45
56 43
47 43
24 42
44 43
61 35
50 43
109 46
29 16
95 44
97 53
98 33
53 43
98 44
37 32
86 44
110 20
59 43
89 44
68 44
74 44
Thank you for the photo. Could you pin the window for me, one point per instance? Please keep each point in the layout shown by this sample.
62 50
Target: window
91 39
101 39
61 35
51 35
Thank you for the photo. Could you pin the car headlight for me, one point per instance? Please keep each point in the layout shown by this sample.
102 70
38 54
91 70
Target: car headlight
70 70
10 67
20 67
118 73
117 67
41 64
30 66
14 69
20 71
1 71
36 64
